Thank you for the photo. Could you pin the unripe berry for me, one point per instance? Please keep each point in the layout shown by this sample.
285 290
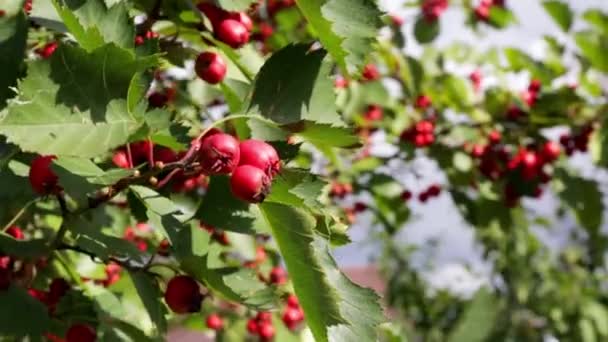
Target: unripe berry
210 67
232 32
42 178
260 154
219 154
249 184
214 322
183 295
81 333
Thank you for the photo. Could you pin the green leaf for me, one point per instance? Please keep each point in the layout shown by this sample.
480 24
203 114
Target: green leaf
598 19
336 309
455 92
297 188
501 17
93 24
294 85
346 28
582 197
426 31
560 12
593 46
328 135
150 294
26 249
478 319
13 35
235 5
19 310
75 105
221 209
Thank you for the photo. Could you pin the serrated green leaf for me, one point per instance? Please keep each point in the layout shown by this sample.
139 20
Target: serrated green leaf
328 135
13 35
346 28
560 12
93 24
75 105
336 309
294 85
593 46
235 5
150 294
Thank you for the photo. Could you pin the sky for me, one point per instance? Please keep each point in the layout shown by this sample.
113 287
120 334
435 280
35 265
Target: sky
438 220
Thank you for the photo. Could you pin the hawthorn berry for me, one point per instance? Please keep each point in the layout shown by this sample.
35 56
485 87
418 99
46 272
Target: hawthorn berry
183 295
219 154
252 326
263 316
423 102
370 72
250 184
292 301
242 18
292 317
406 195
15 232
266 331
232 32
340 82
432 9
482 12
210 67
475 78
47 50
141 151
81 333
278 275
58 288
214 322
121 159
373 113
157 100
494 137
260 154
42 178
550 151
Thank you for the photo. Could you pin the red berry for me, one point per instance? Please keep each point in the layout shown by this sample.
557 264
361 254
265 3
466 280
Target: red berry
359 207
260 254
529 97
423 102
47 50
183 295
396 20
434 190
534 86
2 13
292 316
165 155
214 13
514 113
373 113
157 100
550 151
424 127
278 276
478 150
242 18
141 151
219 154
210 67
42 178
260 154
494 137
81 333
370 72
423 197
406 195
252 326
292 301
121 160
340 82
15 232
482 12
264 316
139 40
214 322
58 288
250 184
232 33
266 331
529 159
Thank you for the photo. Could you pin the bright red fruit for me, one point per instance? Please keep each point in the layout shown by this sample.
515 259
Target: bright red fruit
494 137
47 50
81 333
292 301
210 67
252 326
278 276
58 288
219 154
292 317
551 151
260 154
406 195
214 322
42 179
183 295
373 113
423 102
250 184
141 151
15 232
121 160
482 12
266 331
370 72
232 33
242 18
157 100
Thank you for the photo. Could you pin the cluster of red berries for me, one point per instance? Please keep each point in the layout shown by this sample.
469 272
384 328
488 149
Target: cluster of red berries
340 190
432 191
421 134
252 163
139 235
578 142
432 9
261 325
217 235
530 95
293 314
482 10
140 39
232 28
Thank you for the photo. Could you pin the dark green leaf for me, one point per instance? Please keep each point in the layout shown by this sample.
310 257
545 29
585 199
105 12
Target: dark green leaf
478 320
560 12
426 31
150 294
593 46
19 310
13 34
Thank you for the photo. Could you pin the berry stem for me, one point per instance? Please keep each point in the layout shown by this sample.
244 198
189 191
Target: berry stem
19 214
63 229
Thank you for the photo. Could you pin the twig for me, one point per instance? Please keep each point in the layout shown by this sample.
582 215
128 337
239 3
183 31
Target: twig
19 214
64 227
